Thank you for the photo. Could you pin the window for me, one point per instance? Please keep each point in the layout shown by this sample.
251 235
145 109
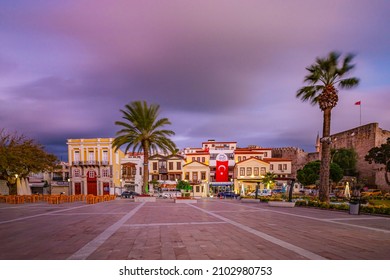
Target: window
280 167
256 171
239 158
265 154
170 164
106 172
178 165
76 156
194 176
242 171
140 171
187 176
271 167
203 175
198 159
203 159
105 156
244 158
284 166
76 172
91 174
154 166
262 171
193 158
197 189
91 156
249 171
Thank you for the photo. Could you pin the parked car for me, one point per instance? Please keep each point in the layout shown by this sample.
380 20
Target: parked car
227 194
371 192
129 194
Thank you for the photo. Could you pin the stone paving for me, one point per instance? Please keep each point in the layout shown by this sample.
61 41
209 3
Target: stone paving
212 229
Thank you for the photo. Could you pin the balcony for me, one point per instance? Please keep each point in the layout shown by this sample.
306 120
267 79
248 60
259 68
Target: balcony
162 170
90 163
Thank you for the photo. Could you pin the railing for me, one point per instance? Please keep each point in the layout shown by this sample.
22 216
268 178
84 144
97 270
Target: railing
90 162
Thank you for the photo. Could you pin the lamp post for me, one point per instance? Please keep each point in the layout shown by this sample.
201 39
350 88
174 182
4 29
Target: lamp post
257 189
69 187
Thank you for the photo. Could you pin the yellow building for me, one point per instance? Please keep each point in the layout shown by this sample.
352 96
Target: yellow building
197 174
248 173
94 166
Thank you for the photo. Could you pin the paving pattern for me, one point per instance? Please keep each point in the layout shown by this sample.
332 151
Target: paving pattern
211 229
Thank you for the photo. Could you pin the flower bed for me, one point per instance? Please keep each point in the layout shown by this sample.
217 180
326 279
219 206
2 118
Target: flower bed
281 203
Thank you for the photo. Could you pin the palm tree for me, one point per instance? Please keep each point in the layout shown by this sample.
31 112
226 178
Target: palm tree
324 76
142 131
268 179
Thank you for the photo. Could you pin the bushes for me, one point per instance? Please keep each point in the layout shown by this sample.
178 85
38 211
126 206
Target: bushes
369 209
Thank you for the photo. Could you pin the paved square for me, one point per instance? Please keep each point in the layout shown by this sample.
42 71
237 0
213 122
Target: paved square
210 229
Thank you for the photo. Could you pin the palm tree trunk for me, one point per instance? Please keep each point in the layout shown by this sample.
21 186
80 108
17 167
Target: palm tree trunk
325 158
146 170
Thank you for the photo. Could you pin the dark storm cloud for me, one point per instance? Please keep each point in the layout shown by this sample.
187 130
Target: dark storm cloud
226 70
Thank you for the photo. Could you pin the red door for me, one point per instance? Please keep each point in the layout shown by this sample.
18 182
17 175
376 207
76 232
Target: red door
77 188
106 188
91 182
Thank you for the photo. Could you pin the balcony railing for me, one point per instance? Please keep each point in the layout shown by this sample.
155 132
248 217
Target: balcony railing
90 163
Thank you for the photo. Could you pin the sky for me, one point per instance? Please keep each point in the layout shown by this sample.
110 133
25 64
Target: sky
223 70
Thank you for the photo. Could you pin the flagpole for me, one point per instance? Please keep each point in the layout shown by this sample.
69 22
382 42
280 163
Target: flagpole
360 105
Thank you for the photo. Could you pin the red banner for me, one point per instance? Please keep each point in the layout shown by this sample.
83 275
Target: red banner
222 171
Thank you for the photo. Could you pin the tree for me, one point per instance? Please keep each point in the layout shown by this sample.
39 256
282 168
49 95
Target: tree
324 76
310 173
142 131
346 159
269 179
184 185
381 155
20 156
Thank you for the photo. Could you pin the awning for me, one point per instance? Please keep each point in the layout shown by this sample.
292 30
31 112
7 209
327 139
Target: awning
221 184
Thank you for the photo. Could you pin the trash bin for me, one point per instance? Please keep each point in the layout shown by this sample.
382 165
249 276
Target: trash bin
354 206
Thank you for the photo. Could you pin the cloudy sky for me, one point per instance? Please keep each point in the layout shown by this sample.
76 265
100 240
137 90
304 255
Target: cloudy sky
224 70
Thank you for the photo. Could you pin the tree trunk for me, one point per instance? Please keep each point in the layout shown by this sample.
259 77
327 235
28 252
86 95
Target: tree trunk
146 170
325 158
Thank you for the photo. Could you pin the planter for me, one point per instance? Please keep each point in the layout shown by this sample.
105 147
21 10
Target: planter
185 200
281 204
145 199
250 200
354 209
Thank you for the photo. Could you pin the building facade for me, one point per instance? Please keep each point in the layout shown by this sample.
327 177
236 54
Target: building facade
95 168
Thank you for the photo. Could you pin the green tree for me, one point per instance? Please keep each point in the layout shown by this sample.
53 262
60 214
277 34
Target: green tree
310 173
20 156
183 185
269 180
142 131
324 76
346 159
381 155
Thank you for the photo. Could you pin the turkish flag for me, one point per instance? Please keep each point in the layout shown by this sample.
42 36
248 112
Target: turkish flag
222 171
358 103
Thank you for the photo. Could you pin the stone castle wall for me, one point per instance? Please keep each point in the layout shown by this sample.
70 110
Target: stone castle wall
362 139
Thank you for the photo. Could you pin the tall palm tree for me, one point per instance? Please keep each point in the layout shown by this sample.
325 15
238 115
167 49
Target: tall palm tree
142 131
324 76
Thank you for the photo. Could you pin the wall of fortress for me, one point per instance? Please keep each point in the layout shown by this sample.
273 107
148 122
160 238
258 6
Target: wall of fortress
361 139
